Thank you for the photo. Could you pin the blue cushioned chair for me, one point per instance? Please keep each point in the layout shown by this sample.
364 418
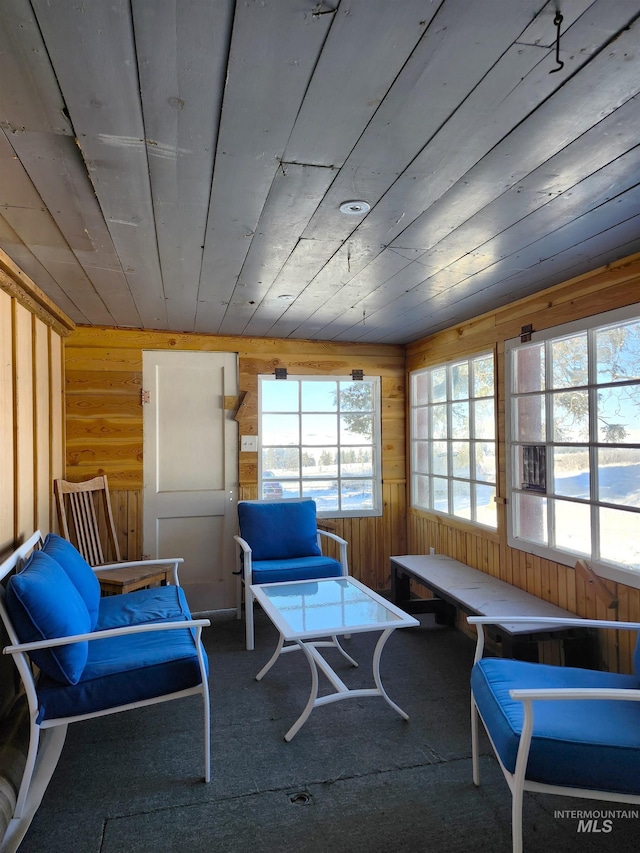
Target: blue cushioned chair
94 656
558 730
280 541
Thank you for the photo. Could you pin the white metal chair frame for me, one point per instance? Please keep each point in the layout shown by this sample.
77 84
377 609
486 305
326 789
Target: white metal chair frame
42 758
517 781
244 576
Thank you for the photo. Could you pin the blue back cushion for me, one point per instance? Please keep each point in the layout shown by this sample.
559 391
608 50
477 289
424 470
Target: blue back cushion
79 571
279 530
44 604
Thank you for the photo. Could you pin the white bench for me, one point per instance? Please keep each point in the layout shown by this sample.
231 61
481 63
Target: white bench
458 586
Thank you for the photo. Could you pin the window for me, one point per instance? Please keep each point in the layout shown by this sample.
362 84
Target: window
320 438
574 443
453 439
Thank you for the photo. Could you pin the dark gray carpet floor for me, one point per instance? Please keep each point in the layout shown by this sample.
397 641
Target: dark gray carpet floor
357 777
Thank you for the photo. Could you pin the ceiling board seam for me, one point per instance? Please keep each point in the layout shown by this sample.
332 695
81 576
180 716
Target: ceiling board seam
216 143
146 142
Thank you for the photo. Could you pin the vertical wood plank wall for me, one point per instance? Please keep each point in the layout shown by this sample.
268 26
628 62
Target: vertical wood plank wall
602 290
31 439
31 414
103 380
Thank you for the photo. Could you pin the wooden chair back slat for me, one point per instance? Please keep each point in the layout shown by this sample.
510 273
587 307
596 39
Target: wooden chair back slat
80 503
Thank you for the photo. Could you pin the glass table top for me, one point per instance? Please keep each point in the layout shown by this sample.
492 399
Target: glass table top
333 605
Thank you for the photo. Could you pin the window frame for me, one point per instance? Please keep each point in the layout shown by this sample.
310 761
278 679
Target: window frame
589 326
375 444
473 439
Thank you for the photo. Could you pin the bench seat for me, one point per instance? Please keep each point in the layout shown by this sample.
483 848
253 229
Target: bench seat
458 586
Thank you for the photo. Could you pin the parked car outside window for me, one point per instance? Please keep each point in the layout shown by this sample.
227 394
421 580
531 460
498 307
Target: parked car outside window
271 489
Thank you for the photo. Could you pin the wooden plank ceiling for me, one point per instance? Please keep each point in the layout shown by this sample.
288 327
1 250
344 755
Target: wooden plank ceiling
180 164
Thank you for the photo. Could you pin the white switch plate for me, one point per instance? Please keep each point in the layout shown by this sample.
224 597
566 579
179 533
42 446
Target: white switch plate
249 442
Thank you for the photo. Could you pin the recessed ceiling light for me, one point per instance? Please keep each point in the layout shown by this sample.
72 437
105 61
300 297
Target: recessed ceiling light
355 208
286 297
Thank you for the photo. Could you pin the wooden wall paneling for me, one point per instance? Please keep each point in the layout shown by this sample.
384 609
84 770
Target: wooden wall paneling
628 611
120 501
104 418
610 287
515 560
104 414
581 598
24 436
134 528
552 581
16 282
31 427
537 576
572 596
42 442
370 570
7 472
561 600
56 408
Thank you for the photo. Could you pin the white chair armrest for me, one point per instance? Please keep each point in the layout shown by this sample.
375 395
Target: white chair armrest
145 627
550 693
343 548
163 561
245 568
567 622
243 544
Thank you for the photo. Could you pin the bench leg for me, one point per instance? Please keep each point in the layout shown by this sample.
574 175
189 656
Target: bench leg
400 587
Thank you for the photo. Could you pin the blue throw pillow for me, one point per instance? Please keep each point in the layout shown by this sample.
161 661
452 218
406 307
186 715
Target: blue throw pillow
280 530
44 604
79 571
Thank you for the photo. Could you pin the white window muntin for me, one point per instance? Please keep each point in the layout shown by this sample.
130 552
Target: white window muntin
451 446
582 524
346 487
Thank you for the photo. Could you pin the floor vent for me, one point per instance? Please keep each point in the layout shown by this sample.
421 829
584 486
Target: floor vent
301 798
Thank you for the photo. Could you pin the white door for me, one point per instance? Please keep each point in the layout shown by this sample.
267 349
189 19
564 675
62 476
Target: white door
190 470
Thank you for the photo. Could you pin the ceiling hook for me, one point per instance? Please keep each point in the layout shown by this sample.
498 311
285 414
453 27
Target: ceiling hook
557 21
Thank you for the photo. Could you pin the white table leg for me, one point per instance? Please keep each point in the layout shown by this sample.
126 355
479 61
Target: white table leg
316 662
376 672
274 657
311 701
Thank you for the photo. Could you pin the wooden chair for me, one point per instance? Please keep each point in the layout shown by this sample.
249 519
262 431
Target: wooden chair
83 504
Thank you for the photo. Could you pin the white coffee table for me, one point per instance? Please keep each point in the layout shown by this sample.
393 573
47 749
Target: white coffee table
306 613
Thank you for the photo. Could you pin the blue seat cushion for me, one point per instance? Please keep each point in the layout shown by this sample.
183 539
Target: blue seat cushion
80 572
44 604
158 604
122 670
593 744
279 530
298 569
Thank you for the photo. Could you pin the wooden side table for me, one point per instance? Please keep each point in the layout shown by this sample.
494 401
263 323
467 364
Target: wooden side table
128 579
